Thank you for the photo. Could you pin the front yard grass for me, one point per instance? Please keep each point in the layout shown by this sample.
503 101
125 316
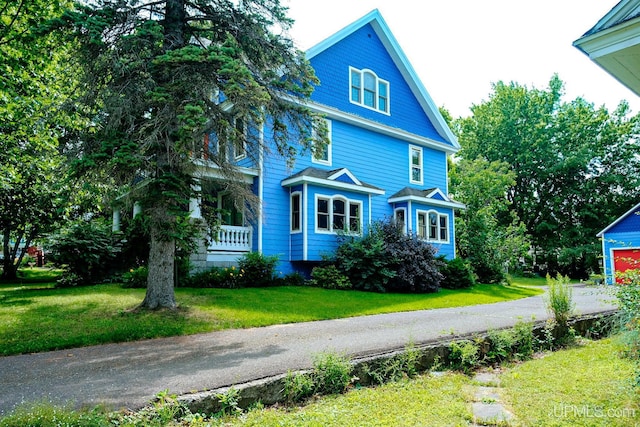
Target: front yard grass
36 317
589 385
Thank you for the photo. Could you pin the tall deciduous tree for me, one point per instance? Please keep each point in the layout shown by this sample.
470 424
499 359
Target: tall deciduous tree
32 121
575 165
159 76
488 234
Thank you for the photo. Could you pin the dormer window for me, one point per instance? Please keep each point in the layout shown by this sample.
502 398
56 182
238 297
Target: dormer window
368 90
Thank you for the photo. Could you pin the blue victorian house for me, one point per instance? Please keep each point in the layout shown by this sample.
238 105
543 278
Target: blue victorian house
387 158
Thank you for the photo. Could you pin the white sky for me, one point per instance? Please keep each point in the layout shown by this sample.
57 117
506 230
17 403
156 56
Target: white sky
459 47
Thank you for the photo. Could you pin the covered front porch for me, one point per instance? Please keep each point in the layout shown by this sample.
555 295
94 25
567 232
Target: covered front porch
232 235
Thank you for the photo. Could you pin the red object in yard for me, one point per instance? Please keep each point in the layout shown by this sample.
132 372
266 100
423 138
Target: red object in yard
625 259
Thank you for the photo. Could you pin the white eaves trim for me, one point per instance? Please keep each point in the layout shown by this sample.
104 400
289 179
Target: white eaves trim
412 138
426 201
344 171
330 184
614 223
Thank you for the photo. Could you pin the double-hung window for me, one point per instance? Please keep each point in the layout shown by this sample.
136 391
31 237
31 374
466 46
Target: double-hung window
433 226
296 212
415 165
368 90
335 214
323 155
231 143
239 139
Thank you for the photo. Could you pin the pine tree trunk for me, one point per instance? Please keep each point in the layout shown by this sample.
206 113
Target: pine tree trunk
160 292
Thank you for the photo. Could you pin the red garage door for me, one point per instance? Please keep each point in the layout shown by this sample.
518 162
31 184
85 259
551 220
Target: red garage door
626 259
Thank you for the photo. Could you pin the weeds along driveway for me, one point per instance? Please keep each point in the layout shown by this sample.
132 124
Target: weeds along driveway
130 374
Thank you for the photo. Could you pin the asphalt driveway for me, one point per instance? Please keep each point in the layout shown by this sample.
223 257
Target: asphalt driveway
130 374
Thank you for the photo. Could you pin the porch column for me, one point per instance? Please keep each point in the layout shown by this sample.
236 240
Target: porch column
115 221
194 205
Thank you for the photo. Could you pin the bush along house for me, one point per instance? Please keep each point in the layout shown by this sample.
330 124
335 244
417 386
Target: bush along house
386 158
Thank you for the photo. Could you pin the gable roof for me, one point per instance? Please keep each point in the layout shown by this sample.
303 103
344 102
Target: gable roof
431 196
374 18
621 12
337 178
619 220
614 43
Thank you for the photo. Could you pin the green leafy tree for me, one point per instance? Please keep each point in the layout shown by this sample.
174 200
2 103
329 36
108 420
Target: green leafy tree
575 166
33 124
161 75
488 233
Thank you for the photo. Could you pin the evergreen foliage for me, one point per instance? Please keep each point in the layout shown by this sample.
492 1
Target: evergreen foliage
159 79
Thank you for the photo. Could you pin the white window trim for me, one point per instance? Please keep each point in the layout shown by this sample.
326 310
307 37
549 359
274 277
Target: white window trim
417 149
376 97
347 214
439 215
299 194
329 147
243 154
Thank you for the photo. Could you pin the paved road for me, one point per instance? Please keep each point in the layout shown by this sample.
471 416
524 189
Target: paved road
130 374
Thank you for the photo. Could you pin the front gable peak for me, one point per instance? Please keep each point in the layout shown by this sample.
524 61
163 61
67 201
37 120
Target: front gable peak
373 21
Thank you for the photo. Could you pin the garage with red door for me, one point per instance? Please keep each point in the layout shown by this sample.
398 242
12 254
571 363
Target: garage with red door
621 244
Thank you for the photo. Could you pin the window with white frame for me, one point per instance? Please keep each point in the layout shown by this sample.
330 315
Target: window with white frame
239 139
323 156
368 90
296 212
400 217
230 142
415 165
337 213
433 226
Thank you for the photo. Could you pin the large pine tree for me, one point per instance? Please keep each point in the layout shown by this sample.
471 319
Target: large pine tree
159 76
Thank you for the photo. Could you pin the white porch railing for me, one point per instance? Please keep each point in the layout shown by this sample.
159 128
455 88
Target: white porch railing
230 238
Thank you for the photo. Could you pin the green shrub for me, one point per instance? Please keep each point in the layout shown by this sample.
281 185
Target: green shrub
329 277
509 344
457 274
559 303
257 270
464 355
135 278
402 365
559 299
46 415
365 262
524 344
332 373
628 300
216 277
386 259
298 386
291 279
86 249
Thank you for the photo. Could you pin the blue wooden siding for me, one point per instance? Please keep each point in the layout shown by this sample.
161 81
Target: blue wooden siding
364 50
617 240
446 249
375 159
623 235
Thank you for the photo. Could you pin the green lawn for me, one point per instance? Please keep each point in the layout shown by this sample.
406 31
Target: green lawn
36 317
583 386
